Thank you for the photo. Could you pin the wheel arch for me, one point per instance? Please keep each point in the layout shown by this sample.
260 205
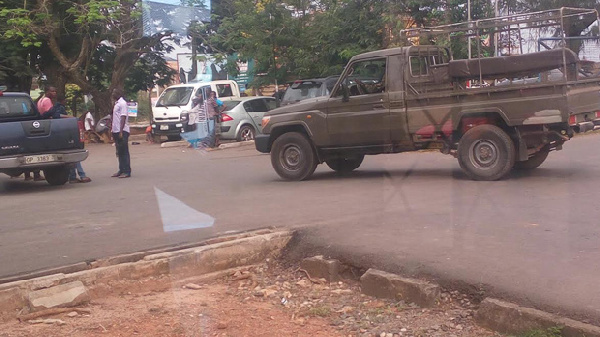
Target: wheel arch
468 119
241 124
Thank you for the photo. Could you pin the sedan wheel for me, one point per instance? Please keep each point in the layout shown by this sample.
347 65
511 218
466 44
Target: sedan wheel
246 133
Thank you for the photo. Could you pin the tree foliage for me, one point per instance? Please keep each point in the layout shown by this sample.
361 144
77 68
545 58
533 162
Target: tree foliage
94 44
98 44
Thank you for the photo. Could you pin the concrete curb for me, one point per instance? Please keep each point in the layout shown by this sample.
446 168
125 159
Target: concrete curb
510 318
236 144
380 284
178 143
493 314
245 249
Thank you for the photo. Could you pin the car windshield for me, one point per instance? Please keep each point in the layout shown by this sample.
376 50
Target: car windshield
230 104
175 96
296 93
16 106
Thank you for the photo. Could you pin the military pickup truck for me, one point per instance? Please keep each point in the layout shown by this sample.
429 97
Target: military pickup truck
414 98
28 142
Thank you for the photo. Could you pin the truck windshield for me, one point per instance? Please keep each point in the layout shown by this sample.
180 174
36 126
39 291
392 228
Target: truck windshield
175 96
16 106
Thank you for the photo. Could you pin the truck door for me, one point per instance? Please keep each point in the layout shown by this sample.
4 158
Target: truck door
397 95
362 118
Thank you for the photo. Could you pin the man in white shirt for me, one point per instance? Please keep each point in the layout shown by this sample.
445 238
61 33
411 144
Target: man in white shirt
89 121
120 132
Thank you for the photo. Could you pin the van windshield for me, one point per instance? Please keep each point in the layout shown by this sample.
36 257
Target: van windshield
175 96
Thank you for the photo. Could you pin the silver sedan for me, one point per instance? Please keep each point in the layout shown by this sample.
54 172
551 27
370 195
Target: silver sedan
242 117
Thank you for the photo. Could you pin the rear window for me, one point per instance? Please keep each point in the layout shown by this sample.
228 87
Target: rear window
224 90
175 96
17 106
230 104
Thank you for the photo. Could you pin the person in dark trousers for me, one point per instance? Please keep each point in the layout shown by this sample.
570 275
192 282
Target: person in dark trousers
120 132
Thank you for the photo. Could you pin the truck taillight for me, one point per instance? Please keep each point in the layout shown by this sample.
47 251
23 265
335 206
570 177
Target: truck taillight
572 120
81 131
226 118
597 114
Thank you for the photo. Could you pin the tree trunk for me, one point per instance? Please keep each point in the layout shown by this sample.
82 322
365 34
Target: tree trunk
102 104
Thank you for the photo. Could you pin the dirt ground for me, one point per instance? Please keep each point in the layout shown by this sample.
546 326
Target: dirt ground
260 300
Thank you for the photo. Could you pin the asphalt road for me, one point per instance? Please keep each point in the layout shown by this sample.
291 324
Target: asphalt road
533 237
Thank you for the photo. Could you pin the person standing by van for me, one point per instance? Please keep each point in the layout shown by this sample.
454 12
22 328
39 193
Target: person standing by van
197 118
212 111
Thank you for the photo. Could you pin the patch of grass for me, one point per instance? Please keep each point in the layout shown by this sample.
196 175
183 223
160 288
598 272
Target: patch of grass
320 311
550 332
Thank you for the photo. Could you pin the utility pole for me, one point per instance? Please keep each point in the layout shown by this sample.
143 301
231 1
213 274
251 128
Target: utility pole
496 40
469 20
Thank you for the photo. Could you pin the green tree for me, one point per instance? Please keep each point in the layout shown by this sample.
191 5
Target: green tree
94 44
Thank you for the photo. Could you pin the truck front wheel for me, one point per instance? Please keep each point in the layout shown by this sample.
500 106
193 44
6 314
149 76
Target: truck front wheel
57 175
345 165
293 157
486 152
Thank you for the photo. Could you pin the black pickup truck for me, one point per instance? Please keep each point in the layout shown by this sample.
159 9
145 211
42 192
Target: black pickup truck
28 142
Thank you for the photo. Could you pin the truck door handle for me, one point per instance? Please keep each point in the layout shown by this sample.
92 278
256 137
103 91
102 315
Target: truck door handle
378 106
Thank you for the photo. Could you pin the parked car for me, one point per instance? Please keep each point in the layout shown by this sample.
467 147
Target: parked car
303 89
32 143
242 116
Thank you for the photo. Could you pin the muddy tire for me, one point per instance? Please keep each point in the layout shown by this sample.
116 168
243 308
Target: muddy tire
534 161
57 176
293 157
486 152
246 133
345 165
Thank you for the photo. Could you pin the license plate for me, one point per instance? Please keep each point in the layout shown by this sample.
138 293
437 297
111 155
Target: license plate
164 127
40 158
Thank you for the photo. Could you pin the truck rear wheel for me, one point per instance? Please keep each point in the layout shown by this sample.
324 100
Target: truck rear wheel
293 157
486 152
534 161
57 175
345 165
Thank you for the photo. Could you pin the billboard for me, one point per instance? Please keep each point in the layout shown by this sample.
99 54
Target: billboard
207 70
173 15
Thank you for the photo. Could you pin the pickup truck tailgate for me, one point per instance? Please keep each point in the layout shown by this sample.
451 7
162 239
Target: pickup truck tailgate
39 136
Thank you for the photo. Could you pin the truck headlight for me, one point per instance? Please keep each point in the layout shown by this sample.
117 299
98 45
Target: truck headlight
265 121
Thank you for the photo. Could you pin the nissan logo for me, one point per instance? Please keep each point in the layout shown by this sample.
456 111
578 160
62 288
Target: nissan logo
36 124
